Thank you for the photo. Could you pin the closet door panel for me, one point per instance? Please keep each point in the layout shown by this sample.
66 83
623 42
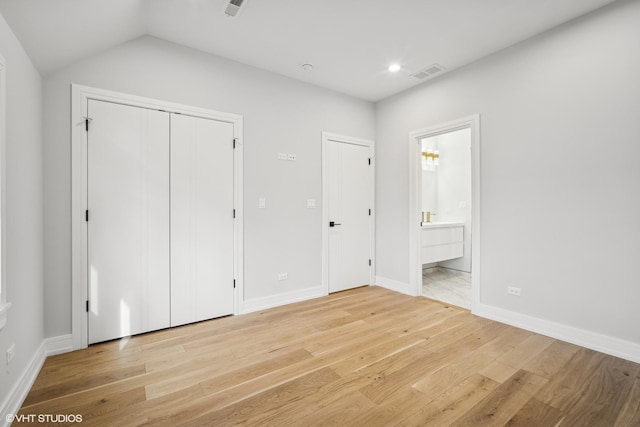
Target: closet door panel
202 240
128 228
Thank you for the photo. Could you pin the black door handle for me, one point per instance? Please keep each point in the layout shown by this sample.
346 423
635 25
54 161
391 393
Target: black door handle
333 224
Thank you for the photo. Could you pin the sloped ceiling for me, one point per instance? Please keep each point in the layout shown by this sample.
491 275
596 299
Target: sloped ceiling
349 42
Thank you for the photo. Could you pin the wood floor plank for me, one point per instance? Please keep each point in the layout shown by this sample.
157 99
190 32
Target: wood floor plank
362 357
326 397
535 413
450 329
394 409
346 411
474 359
383 347
548 362
92 406
265 403
240 375
81 380
452 372
500 406
448 407
527 350
387 385
630 412
497 371
562 391
423 322
602 399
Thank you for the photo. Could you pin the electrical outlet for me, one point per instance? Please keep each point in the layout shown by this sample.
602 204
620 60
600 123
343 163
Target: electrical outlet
311 203
10 353
282 156
512 290
292 157
283 276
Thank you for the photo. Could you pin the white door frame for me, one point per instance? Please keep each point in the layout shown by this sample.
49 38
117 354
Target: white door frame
79 99
326 137
415 196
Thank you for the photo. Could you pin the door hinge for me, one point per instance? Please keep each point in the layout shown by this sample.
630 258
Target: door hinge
234 283
234 213
87 306
234 142
369 161
86 215
369 212
369 263
86 125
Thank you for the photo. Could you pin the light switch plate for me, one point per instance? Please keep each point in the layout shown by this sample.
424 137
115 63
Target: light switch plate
282 156
262 203
11 352
311 203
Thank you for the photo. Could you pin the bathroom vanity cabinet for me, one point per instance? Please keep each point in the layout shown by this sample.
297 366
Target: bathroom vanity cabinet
441 241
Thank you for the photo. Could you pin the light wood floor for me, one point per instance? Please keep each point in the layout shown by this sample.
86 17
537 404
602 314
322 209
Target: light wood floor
365 357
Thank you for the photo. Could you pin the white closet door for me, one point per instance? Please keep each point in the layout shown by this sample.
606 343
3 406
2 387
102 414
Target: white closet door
201 219
349 202
128 228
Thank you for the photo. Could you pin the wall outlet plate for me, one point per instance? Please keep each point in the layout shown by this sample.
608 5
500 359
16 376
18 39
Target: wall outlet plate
512 290
262 203
292 157
311 203
283 276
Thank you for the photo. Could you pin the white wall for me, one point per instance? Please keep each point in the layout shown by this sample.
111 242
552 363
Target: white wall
560 181
280 115
24 234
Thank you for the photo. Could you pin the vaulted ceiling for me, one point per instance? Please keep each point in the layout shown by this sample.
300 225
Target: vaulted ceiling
349 42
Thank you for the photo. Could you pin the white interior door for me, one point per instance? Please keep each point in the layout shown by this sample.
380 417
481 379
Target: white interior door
349 201
128 222
202 238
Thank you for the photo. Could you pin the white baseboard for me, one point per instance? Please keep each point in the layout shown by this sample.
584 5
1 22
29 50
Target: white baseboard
394 285
58 345
48 347
605 344
271 301
19 392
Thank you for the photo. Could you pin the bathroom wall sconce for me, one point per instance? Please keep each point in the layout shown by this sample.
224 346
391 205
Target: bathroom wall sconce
430 159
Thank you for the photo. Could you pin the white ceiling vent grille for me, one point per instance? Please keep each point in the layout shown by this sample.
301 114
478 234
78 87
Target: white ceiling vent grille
428 72
233 7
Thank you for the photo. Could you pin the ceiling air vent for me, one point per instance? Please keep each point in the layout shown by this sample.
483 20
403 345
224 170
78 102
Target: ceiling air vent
233 7
428 72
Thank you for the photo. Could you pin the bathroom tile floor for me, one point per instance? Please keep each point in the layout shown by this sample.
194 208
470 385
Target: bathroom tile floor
449 286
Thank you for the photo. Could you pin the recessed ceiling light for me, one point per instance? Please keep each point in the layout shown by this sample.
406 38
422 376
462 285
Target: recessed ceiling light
394 68
307 67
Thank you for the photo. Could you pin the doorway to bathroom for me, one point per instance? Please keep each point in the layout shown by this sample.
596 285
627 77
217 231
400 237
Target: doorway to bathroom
445 212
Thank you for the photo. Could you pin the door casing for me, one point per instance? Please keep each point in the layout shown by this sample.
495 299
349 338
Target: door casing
415 188
79 99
